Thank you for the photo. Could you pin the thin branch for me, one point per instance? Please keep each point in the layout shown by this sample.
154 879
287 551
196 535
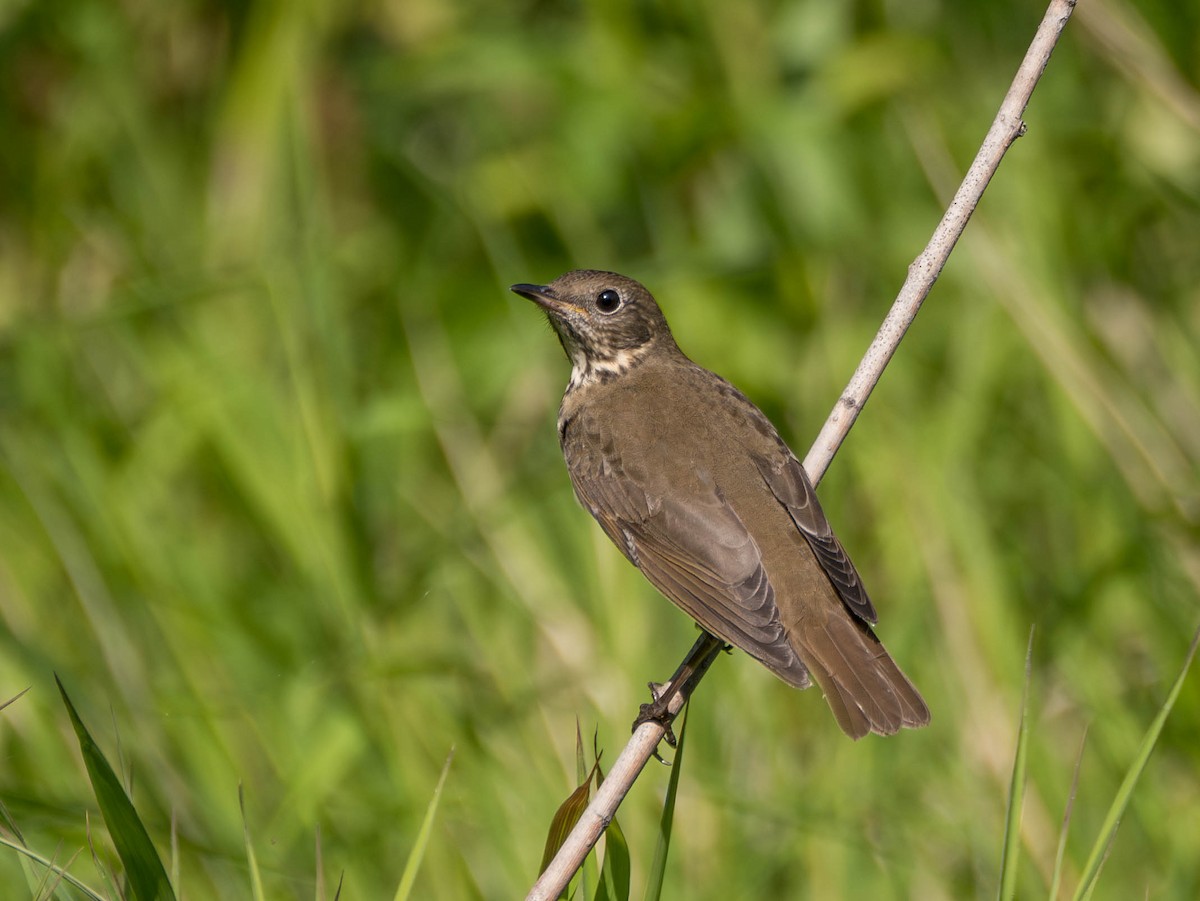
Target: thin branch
1006 128
625 769
925 269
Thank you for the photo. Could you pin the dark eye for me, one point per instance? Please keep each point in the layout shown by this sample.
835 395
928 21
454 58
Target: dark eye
607 301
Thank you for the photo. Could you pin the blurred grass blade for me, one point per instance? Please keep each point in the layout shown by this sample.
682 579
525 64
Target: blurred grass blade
1060 854
20 694
319 867
111 888
581 766
7 821
251 858
176 880
417 854
1109 830
588 872
1010 855
54 878
658 867
614 872
52 867
143 868
564 820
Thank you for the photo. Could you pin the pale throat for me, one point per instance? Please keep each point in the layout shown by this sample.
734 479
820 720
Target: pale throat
588 371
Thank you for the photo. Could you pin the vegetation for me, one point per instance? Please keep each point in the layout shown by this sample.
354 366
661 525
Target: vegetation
281 501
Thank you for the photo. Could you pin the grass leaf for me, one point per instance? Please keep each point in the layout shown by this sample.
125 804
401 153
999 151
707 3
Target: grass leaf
1060 853
20 694
564 820
417 854
251 859
51 867
658 867
588 873
143 867
1108 831
1010 855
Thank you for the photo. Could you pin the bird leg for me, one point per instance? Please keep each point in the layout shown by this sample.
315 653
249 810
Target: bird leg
669 699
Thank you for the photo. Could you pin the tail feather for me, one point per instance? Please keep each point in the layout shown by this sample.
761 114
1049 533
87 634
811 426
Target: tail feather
863 686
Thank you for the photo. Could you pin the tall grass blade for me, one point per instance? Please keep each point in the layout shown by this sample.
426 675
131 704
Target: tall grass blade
319 865
1010 855
582 770
1108 831
20 694
176 880
564 820
658 867
251 858
143 867
1060 854
17 843
111 887
417 854
51 867
588 873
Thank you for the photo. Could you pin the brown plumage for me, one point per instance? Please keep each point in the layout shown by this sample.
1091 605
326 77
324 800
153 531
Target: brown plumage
694 485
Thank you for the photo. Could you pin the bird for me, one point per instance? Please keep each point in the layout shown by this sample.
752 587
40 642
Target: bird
695 486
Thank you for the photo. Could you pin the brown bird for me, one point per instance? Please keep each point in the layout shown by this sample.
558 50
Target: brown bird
694 485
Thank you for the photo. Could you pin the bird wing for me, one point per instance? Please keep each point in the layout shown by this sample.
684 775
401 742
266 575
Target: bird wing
692 546
788 482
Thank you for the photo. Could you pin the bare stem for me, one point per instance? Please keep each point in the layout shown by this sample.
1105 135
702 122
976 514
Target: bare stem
925 269
922 273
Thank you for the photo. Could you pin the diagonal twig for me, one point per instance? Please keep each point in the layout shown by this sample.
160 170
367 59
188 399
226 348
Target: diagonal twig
922 273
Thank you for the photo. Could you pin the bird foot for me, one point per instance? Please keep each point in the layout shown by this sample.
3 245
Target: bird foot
657 711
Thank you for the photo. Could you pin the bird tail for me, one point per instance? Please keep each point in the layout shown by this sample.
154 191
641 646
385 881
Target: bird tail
863 686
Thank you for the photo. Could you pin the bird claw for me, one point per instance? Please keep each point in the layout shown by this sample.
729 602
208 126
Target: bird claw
657 711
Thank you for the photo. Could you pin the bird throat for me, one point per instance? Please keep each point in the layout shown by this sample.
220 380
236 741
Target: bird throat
587 371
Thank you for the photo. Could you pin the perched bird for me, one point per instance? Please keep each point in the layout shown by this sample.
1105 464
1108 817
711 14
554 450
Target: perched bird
694 485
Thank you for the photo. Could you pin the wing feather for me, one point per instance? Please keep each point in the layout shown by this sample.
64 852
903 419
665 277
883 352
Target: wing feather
789 483
692 546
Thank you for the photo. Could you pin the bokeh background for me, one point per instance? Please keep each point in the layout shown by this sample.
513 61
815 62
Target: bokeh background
281 500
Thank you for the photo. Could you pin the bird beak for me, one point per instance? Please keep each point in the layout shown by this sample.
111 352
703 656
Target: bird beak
537 293
544 297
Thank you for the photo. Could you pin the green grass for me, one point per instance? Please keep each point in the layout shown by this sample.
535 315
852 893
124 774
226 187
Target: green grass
280 497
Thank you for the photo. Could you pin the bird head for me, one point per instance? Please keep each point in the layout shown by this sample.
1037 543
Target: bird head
607 323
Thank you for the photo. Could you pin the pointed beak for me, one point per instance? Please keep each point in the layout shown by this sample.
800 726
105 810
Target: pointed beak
544 297
539 294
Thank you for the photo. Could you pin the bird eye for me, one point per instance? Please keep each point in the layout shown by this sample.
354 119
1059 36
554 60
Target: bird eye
607 301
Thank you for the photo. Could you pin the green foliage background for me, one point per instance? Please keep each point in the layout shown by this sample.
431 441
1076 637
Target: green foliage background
280 496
